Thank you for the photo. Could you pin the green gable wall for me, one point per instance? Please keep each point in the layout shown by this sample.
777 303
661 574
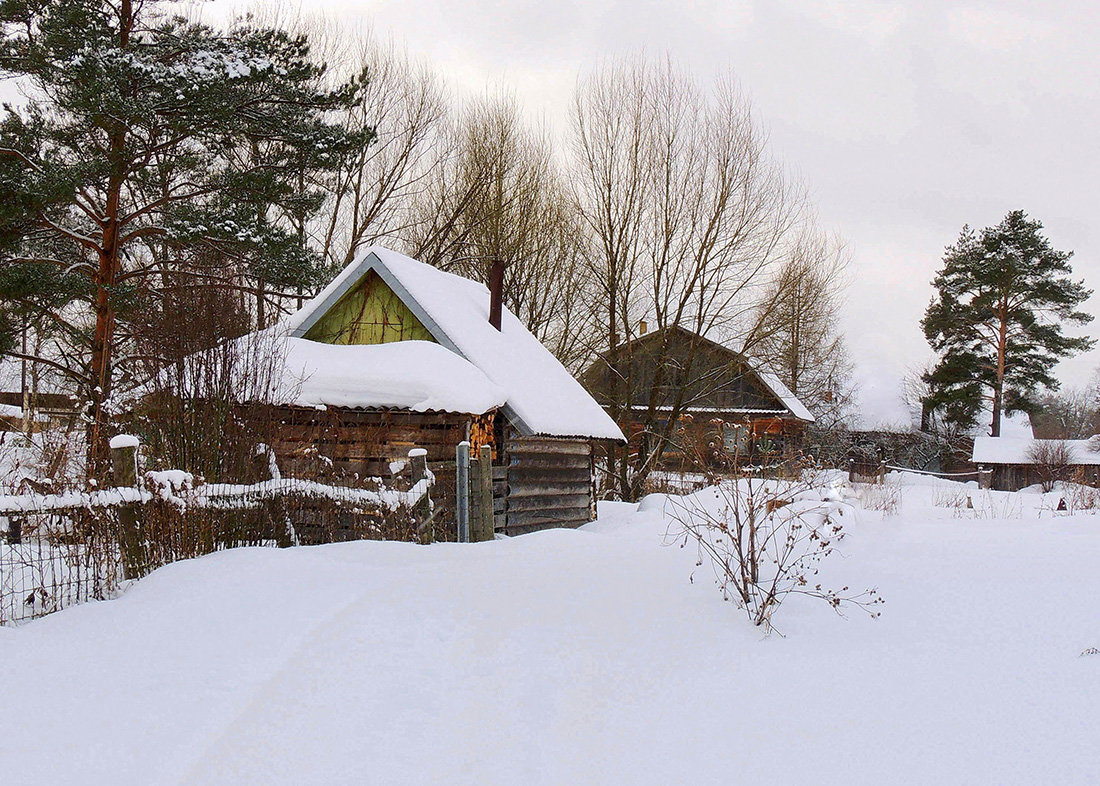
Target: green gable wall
370 313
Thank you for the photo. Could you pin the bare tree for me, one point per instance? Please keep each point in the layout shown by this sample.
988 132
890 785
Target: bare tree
686 212
372 198
502 196
1070 413
797 331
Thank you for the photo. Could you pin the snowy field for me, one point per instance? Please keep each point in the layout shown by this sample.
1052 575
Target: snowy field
585 656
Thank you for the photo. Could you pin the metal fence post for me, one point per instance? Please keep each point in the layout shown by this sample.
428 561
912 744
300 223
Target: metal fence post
124 450
483 529
462 491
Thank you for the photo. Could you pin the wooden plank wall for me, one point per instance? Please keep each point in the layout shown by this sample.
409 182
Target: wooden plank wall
500 497
549 484
542 482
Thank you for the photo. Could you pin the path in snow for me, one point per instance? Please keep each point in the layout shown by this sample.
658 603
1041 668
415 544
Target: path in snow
572 657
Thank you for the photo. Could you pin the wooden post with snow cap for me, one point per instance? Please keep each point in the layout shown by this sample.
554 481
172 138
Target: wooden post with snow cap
483 527
985 478
124 449
422 510
274 509
462 492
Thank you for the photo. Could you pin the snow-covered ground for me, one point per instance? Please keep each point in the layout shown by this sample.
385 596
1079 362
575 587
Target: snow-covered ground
587 656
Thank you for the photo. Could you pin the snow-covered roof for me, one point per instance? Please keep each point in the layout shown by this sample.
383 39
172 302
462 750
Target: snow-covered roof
783 393
415 375
540 396
1016 450
11 412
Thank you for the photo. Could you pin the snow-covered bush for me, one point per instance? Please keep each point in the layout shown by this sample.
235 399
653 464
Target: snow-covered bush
765 540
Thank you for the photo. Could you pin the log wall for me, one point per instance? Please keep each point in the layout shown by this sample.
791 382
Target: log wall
361 441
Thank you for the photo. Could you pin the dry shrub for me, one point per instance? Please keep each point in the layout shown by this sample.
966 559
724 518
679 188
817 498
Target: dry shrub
997 505
764 540
951 497
884 497
1079 495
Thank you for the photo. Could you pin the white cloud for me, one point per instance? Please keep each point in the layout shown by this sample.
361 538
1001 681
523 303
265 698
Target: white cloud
997 29
871 20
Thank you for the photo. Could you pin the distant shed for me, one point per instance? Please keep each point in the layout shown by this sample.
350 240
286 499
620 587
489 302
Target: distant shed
1014 465
395 353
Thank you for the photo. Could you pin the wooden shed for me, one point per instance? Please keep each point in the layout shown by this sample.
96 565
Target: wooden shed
1019 462
395 354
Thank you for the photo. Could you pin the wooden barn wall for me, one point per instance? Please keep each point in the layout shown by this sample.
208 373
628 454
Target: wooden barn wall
366 442
538 483
361 442
549 484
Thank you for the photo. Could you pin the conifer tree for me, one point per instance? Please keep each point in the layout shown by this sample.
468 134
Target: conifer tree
152 153
1002 299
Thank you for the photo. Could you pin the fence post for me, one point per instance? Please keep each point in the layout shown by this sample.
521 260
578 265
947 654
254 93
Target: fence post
985 478
283 530
124 450
881 472
462 491
422 511
483 528
851 470
15 531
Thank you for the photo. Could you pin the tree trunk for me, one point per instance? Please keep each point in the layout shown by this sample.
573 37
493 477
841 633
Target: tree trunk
109 255
999 382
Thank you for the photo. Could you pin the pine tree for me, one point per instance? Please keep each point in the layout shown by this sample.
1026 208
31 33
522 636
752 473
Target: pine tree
153 154
996 321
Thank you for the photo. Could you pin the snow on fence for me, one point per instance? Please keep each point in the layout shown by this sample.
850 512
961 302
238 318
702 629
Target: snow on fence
876 473
57 550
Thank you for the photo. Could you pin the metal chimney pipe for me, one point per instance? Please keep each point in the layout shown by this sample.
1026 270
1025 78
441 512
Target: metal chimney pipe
496 292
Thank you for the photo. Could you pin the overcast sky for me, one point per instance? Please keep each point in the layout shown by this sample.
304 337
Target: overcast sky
906 120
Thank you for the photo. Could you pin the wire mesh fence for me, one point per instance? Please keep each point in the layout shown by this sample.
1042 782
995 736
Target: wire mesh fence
60 550
55 559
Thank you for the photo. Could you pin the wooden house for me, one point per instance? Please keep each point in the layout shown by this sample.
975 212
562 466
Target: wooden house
1019 462
46 399
396 354
717 396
